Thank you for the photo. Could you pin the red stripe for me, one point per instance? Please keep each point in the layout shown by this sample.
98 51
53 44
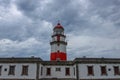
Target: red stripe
58 37
60 55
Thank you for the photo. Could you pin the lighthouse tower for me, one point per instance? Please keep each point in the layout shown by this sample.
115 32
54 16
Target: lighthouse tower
58 44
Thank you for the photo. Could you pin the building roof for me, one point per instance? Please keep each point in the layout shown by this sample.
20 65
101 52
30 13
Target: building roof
57 63
76 60
20 60
97 60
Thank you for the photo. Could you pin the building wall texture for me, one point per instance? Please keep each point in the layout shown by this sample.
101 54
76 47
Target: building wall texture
78 69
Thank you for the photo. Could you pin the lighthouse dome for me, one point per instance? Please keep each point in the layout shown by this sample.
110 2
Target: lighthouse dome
58 26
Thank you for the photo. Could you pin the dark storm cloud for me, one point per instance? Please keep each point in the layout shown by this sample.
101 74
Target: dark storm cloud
75 15
20 34
48 10
67 11
28 7
20 27
107 9
92 24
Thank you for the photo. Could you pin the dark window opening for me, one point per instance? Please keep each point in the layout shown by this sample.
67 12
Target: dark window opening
5 69
41 70
11 70
25 70
109 69
74 71
67 71
103 70
116 70
48 71
90 70
58 69
0 70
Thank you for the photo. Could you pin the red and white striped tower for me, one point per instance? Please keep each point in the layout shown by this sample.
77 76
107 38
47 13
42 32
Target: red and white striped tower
58 44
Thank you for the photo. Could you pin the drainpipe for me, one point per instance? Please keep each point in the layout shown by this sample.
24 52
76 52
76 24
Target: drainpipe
77 71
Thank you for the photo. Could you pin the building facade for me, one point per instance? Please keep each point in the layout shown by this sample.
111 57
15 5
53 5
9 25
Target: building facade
79 69
58 68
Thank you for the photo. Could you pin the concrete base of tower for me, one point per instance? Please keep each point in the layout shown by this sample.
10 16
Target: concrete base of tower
56 56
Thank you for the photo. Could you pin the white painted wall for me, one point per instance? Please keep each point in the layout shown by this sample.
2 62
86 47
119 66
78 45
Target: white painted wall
18 70
83 73
62 38
54 47
61 48
57 74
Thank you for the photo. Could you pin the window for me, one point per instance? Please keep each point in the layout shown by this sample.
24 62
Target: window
74 71
11 70
41 70
116 70
48 71
25 70
5 69
103 70
90 70
67 71
58 69
0 70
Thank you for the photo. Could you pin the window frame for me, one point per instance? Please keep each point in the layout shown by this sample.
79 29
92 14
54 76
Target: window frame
0 69
25 70
74 70
48 71
117 71
58 69
41 70
90 70
103 70
67 71
11 70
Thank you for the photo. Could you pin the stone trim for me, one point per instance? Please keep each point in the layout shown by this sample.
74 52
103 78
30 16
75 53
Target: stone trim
15 79
97 60
102 79
75 61
54 63
20 60
57 79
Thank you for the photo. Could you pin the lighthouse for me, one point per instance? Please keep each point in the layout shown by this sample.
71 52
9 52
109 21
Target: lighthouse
58 44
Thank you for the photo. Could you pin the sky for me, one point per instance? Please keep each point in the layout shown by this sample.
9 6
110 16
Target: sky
92 27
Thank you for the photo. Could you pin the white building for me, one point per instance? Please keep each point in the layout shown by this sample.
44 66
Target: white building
58 68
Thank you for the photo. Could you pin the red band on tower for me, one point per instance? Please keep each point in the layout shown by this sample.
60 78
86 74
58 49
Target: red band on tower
58 44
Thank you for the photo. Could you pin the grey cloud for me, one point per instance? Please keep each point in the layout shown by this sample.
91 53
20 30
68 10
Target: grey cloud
29 47
5 3
54 10
36 18
108 10
26 6
69 12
